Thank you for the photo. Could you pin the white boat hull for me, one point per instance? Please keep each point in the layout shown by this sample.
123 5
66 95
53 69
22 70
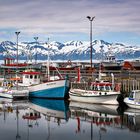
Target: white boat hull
132 103
47 85
15 93
91 97
51 89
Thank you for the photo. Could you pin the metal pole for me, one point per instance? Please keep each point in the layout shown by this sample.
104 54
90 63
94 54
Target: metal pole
90 19
91 42
17 34
36 38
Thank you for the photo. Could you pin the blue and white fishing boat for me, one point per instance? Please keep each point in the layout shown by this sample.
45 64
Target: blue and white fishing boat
133 100
41 87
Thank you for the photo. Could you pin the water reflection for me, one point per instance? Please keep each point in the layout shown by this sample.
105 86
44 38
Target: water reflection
58 119
101 116
8 108
51 109
56 111
132 119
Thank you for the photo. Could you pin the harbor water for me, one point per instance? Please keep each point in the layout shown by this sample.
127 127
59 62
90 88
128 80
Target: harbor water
43 119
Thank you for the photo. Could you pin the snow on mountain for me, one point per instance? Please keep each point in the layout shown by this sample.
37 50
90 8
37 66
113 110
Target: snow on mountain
73 43
74 50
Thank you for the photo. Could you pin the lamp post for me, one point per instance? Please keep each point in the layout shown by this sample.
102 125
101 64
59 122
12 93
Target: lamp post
17 34
36 38
90 19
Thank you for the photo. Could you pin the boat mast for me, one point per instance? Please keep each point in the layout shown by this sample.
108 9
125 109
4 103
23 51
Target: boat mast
100 74
100 65
112 75
48 62
36 38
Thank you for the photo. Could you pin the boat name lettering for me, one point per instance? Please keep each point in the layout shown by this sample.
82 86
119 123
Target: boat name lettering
51 84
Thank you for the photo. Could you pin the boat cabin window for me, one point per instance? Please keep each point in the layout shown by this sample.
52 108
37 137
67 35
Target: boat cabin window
102 88
31 114
26 76
108 88
95 88
31 76
35 76
137 95
131 95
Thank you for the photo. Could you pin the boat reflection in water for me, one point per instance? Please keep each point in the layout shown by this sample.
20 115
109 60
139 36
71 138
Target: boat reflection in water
99 116
54 112
58 109
132 119
47 119
10 105
9 108
106 109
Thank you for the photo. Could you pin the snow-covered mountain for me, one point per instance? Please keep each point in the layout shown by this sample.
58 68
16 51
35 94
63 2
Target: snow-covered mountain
73 50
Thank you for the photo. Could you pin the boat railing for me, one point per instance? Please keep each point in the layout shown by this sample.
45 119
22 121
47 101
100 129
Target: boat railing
18 88
88 86
84 85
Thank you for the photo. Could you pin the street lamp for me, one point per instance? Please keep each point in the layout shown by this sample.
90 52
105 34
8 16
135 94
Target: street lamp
90 19
36 38
17 34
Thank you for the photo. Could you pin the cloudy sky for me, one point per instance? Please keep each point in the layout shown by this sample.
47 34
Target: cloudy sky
65 20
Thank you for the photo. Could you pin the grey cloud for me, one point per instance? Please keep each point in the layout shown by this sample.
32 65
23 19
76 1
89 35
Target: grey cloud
70 15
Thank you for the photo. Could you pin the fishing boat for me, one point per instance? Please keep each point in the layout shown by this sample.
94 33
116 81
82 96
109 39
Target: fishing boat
42 87
133 100
100 91
9 89
110 63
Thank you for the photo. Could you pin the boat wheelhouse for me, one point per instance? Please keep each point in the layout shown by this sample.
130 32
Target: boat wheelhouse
31 77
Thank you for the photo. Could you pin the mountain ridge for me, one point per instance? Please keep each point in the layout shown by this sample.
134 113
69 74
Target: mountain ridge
74 50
